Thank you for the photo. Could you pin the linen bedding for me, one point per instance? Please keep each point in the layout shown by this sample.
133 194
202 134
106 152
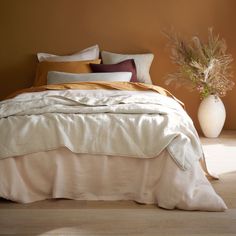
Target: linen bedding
109 126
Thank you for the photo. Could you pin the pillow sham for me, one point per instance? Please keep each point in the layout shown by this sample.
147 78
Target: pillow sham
124 66
142 61
91 53
55 77
69 66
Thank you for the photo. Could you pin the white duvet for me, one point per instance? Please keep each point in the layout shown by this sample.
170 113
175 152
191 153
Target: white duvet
120 123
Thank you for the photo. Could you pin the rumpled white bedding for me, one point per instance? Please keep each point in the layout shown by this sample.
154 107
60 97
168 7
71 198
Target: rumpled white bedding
63 174
102 145
118 123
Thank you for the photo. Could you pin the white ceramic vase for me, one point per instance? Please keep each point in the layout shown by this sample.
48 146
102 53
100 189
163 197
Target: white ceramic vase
211 116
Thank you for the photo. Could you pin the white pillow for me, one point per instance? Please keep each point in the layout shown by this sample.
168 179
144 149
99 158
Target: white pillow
56 77
142 61
91 53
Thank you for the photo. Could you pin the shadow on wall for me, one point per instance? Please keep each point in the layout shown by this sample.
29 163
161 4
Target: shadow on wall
24 69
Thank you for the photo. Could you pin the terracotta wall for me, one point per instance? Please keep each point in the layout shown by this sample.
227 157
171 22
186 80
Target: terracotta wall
124 26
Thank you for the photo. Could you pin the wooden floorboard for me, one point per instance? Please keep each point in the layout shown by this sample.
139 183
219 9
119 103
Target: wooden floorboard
116 222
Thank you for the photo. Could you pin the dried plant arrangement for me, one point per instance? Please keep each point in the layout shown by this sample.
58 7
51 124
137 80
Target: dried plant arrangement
204 66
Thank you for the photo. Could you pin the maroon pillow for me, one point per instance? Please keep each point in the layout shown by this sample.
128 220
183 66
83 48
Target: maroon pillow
124 66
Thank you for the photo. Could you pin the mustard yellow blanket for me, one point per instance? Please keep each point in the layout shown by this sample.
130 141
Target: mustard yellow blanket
128 86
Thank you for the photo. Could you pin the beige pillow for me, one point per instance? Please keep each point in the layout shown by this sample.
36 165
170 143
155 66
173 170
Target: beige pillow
55 77
142 61
91 53
70 67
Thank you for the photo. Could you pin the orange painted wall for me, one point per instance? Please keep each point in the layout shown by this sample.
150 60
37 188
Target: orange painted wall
123 26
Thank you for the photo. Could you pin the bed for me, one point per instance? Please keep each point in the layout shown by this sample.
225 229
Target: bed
102 141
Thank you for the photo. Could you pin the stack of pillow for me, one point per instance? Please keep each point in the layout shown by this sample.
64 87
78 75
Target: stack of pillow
85 66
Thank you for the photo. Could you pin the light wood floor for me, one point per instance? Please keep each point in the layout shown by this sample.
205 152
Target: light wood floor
67 217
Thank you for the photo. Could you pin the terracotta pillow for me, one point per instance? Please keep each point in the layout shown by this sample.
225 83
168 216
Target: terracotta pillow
124 66
70 67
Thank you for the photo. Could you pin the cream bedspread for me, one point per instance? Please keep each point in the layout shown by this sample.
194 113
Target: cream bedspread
102 145
137 124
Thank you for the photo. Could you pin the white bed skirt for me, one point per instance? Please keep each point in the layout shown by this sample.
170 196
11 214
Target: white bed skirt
63 174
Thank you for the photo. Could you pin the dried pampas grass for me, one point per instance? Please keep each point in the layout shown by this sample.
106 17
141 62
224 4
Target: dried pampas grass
204 66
